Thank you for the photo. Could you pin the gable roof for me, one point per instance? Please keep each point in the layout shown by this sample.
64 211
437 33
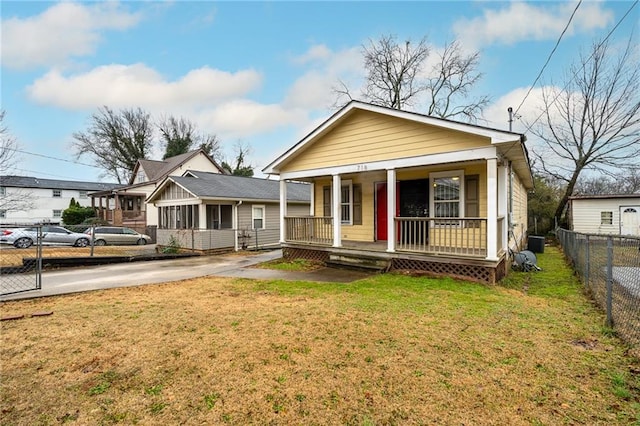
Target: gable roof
33 182
228 187
510 144
156 170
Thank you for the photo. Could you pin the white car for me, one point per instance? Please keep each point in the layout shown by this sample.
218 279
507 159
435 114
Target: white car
51 235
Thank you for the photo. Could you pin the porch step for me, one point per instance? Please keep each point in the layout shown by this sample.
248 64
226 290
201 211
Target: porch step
358 262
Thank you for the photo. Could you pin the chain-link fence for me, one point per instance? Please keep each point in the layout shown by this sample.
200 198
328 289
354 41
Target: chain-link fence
609 266
20 272
26 249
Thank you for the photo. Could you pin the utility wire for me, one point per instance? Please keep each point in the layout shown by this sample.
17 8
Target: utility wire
584 63
53 158
549 57
48 174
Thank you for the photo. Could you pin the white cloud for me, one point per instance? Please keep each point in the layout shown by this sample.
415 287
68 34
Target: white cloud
314 88
242 118
318 52
139 85
64 30
497 116
522 21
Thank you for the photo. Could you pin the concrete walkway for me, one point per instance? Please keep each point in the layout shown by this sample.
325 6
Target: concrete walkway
76 280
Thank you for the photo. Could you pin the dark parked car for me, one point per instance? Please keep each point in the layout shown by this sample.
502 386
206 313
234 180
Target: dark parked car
116 235
51 235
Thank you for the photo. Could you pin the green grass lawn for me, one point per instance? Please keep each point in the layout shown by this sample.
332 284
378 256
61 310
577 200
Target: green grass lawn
386 350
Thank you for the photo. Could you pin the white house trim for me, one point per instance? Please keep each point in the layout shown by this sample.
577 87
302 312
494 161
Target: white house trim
422 160
492 209
283 210
391 210
335 209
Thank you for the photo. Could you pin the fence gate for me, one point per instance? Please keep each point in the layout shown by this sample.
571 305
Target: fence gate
20 259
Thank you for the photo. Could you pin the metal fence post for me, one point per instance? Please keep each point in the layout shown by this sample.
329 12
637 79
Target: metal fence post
39 260
609 280
93 239
586 261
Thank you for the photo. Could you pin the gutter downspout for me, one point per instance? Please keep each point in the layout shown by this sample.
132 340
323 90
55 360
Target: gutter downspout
235 225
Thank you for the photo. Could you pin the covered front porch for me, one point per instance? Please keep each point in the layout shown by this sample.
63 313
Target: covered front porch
120 208
457 248
446 219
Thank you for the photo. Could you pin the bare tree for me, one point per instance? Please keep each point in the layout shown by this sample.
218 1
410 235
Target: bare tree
455 76
625 182
392 70
11 199
180 135
396 77
593 122
116 140
239 167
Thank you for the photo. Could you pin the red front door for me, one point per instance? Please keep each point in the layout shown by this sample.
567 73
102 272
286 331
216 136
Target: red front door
381 209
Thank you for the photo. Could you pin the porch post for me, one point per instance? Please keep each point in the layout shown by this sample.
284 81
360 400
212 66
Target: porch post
335 211
312 193
503 195
283 210
202 215
391 210
492 209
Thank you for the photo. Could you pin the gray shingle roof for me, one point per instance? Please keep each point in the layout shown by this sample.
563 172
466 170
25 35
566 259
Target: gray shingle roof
157 170
33 182
213 185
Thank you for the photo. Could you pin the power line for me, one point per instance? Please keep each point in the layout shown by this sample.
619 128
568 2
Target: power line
53 158
584 63
549 57
43 173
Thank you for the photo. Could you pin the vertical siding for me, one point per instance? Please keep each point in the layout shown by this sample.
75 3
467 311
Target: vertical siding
369 136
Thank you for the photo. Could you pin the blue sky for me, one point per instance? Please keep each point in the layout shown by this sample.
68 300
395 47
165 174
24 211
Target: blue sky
257 72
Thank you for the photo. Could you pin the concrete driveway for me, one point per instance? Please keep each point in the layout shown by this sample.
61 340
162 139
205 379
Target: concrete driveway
75 280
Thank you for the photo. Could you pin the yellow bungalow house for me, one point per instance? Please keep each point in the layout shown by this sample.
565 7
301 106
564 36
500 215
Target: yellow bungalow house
399 190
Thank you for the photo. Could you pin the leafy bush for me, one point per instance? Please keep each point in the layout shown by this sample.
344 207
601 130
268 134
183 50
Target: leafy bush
76 215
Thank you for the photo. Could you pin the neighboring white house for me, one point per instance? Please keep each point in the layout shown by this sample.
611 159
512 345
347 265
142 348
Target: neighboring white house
605 214
126 205
48 197
213 211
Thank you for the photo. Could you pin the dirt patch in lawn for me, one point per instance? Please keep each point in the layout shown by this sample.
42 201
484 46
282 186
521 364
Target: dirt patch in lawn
386 350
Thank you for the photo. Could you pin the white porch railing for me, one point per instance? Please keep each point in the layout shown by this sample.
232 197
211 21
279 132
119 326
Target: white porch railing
308 229
443 235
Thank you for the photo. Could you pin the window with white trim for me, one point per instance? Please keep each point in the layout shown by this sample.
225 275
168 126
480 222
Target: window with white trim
606 218
447 194
57 213
82 194
346 202
141 177
57 193
258 217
